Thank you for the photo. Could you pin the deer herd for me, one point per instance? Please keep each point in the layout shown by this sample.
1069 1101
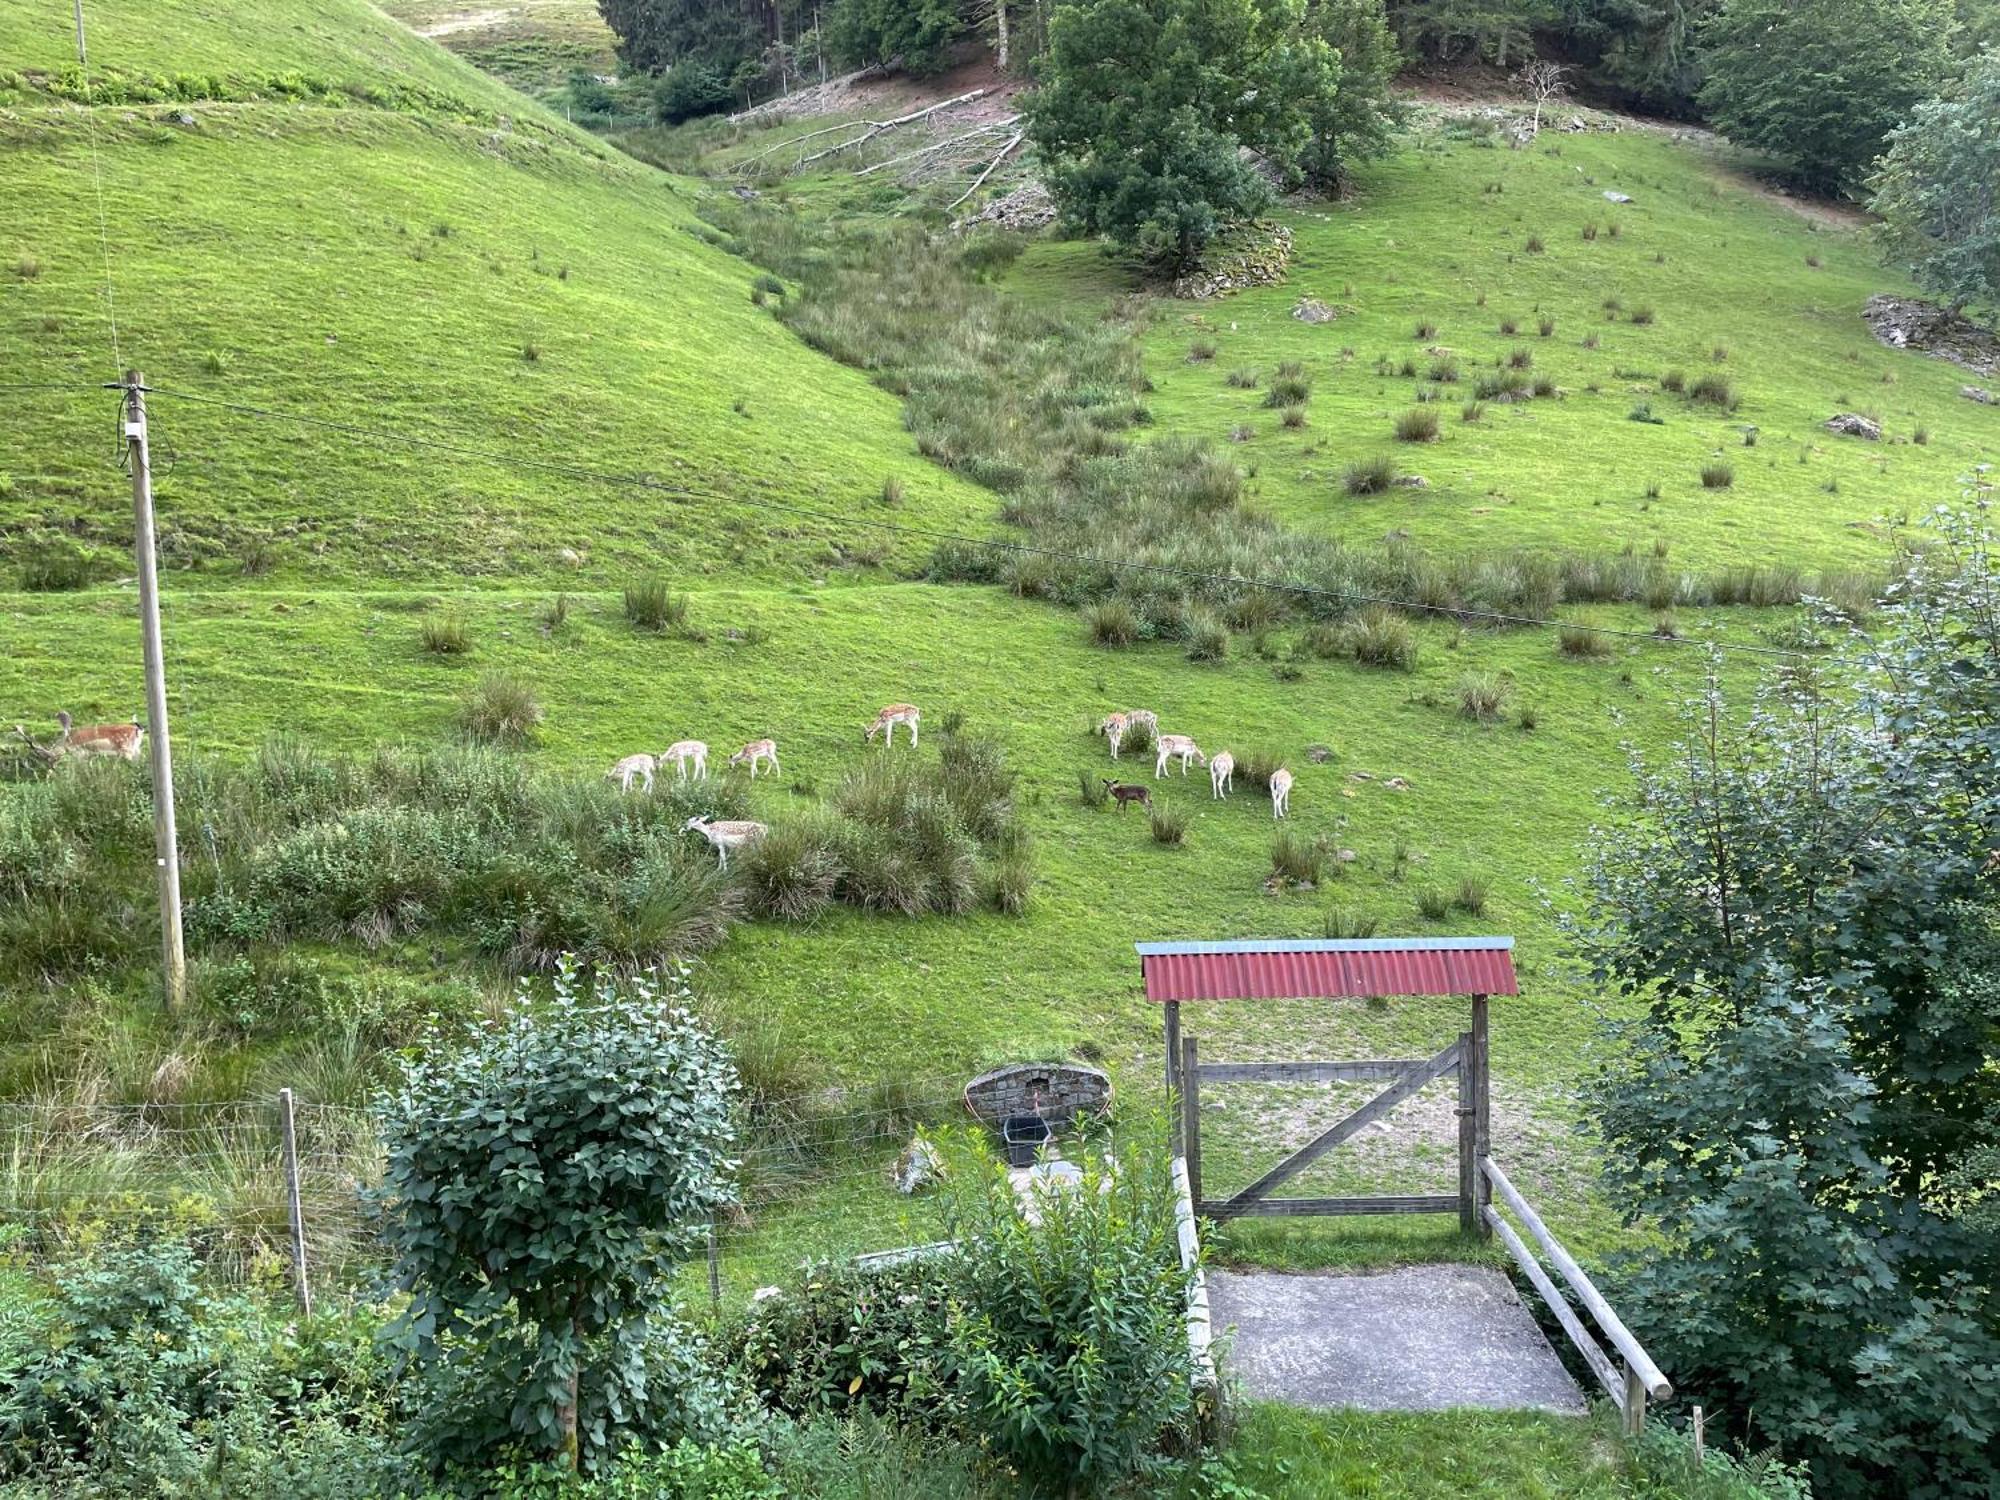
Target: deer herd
1182 748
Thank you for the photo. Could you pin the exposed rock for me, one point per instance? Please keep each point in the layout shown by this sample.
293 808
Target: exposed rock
1853 424
765 1294
1397 784
1912 323
1611 197
1319 755
1029 206
1312 310
1344 856
1360 775
918 1167
1254 254
1412 482
1978 393
747 193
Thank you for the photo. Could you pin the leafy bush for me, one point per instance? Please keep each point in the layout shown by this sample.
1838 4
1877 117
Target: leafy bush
651 604
1069 1335
536 1230
690 87
501 710
1168 822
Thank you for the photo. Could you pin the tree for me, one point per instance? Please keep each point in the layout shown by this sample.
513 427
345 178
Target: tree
878 31
1805 910
1501 32
1144 108
1639 53
538 1188
1821 83
1938 190
1542 81
1356 118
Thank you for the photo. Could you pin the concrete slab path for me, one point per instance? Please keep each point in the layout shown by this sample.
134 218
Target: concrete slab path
1423 1338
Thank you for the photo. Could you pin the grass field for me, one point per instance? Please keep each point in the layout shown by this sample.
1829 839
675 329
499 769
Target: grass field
532 45
479 300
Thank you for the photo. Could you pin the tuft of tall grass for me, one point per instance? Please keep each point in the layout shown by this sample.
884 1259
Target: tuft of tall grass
1112 622
1369 476
1418 425
444 635
1344 923
1581 641
1378 637
1168 823
1482 695
1716 389
1298 860
1717 476
651 604
501 710
1207 638
1433 905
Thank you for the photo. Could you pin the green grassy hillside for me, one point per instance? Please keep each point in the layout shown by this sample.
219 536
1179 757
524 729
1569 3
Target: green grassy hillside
1738 286
473 272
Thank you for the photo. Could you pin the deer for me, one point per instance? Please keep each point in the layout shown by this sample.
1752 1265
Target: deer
119 741
1281 793
1221 774
1124 792
1172 746
1113 729
726 836
887 720
680 752
630 769
755 751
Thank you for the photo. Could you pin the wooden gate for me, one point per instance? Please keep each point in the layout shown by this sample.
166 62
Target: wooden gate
1464 1059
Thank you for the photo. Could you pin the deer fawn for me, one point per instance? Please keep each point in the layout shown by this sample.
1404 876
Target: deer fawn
680 752
887 720
1123 792
1221 774
631 768
1176 746
755 751
1281 793
727 836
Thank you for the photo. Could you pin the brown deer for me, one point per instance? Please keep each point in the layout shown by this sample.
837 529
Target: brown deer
755 751
119 741
887 720
1123 792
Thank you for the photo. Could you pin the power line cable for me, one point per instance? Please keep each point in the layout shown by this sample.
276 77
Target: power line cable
97 177
643 482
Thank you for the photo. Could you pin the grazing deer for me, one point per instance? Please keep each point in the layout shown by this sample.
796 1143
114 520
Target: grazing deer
680 752
727 836
887 720
1221 774
1113 729
1281 793
1123 792
120 741
1172 746
631 768
755 751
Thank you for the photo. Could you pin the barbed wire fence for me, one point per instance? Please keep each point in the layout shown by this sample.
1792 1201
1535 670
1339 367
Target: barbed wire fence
816 1181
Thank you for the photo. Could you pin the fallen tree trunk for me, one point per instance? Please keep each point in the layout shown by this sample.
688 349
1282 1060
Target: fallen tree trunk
962 136
993 165
880 127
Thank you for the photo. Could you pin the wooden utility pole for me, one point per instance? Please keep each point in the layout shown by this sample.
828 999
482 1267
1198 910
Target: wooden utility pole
166 844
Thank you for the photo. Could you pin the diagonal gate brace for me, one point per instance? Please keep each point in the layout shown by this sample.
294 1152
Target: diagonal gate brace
1414 1077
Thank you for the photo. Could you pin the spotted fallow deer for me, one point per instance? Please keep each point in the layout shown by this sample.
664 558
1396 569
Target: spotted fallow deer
1221 774
1176 747
632 768
727 836
1281 793
683 753
120 741
887 720
755 751
1113 729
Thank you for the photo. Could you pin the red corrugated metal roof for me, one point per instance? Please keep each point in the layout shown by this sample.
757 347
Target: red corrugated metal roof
1330 969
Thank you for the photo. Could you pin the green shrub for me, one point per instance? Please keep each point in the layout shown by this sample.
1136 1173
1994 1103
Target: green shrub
651 604
1344 922
1472 411
1288 389
1642 315
1418 425
1090 789
501 710
1207 638
1369 476
1715 389
1717 476
1482 695
1111 622
53 564
444 635
1297 859
1256 766
1379 637
1070 1336
1582 641
1168 823
1292 418
791 872
1433 905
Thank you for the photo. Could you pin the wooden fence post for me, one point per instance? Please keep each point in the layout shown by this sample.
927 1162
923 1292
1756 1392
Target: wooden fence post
1191 1117
299 1281
1698 1428
1482 1108
1635 1402
714 1269
1469 1221
1171 1021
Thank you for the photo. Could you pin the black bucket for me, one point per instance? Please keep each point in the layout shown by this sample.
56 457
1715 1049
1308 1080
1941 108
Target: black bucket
1024 1135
